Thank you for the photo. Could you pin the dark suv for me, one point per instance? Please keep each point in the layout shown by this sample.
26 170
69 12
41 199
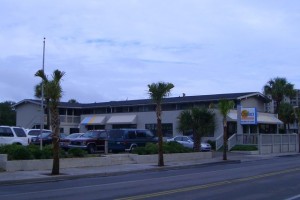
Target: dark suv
92 141
128 139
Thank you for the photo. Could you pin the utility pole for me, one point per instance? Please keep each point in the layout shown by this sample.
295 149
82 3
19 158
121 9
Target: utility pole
42 100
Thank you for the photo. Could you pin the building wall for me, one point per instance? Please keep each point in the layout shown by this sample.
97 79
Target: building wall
144 118
28 115
253 102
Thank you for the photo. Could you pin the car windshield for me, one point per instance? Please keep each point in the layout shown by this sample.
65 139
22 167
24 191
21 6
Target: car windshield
44 134
36 132
74 135
90 135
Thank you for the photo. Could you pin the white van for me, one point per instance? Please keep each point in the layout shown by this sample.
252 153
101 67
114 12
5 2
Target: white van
13 135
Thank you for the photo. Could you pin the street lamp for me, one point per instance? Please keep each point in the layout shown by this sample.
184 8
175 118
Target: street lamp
42 100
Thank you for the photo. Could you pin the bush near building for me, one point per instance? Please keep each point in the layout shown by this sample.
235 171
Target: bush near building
244 148
169 147
31 152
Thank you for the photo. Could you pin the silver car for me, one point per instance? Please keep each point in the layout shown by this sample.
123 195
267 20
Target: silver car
188 142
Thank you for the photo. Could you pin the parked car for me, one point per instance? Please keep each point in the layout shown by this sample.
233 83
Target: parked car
13 135
46 138
92 141
128 139
64 142
188 142
34 133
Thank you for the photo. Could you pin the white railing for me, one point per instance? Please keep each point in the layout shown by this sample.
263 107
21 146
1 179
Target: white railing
232 141
219 142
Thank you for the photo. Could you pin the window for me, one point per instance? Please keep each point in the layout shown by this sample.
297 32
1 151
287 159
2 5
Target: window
20 132
119 126
267 128
116 134
131 135
102 134
167 129
140 134
6 132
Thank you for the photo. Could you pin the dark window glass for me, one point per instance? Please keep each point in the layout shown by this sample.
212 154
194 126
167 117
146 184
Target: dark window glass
140 134
102 135
6 132
131 135
20 132
116 134
167 129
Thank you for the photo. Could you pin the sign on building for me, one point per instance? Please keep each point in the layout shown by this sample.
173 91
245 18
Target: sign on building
248 116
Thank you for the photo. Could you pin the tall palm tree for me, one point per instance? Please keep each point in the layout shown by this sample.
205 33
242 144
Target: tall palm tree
278 88
54 91
157 92
200 120
224 108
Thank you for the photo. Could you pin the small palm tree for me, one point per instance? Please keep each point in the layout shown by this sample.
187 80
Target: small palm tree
157 92
286 114
224 107
54 91
200 120
278 88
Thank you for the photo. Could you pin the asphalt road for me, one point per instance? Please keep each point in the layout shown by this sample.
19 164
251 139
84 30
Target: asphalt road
276 178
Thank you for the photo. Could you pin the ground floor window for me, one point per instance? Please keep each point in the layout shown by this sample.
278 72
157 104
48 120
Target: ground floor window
167 129
267 128
74 130
120 126
250 129
95 127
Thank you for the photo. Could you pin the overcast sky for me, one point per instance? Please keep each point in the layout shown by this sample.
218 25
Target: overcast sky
112 49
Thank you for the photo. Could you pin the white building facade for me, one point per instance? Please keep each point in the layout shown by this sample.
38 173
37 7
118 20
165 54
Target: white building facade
77 117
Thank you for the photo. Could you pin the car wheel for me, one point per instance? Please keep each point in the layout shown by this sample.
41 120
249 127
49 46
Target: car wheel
91 148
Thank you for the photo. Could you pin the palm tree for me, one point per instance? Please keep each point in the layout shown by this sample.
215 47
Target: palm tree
54 91
200 120
278 88
157 92
224 107
286 114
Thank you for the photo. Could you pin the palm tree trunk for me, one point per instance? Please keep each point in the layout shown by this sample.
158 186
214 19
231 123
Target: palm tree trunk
160 138
225 143
197 141
55 139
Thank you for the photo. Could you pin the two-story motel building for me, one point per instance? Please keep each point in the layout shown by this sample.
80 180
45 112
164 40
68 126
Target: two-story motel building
80 117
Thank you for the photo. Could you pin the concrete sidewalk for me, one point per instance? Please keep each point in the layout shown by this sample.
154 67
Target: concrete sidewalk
19 177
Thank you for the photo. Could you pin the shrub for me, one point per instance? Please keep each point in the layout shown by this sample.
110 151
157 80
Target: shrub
169 147
77 152
35 151
244 148
16 152
47 152
212 144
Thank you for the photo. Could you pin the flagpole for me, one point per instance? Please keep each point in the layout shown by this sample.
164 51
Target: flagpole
42 100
